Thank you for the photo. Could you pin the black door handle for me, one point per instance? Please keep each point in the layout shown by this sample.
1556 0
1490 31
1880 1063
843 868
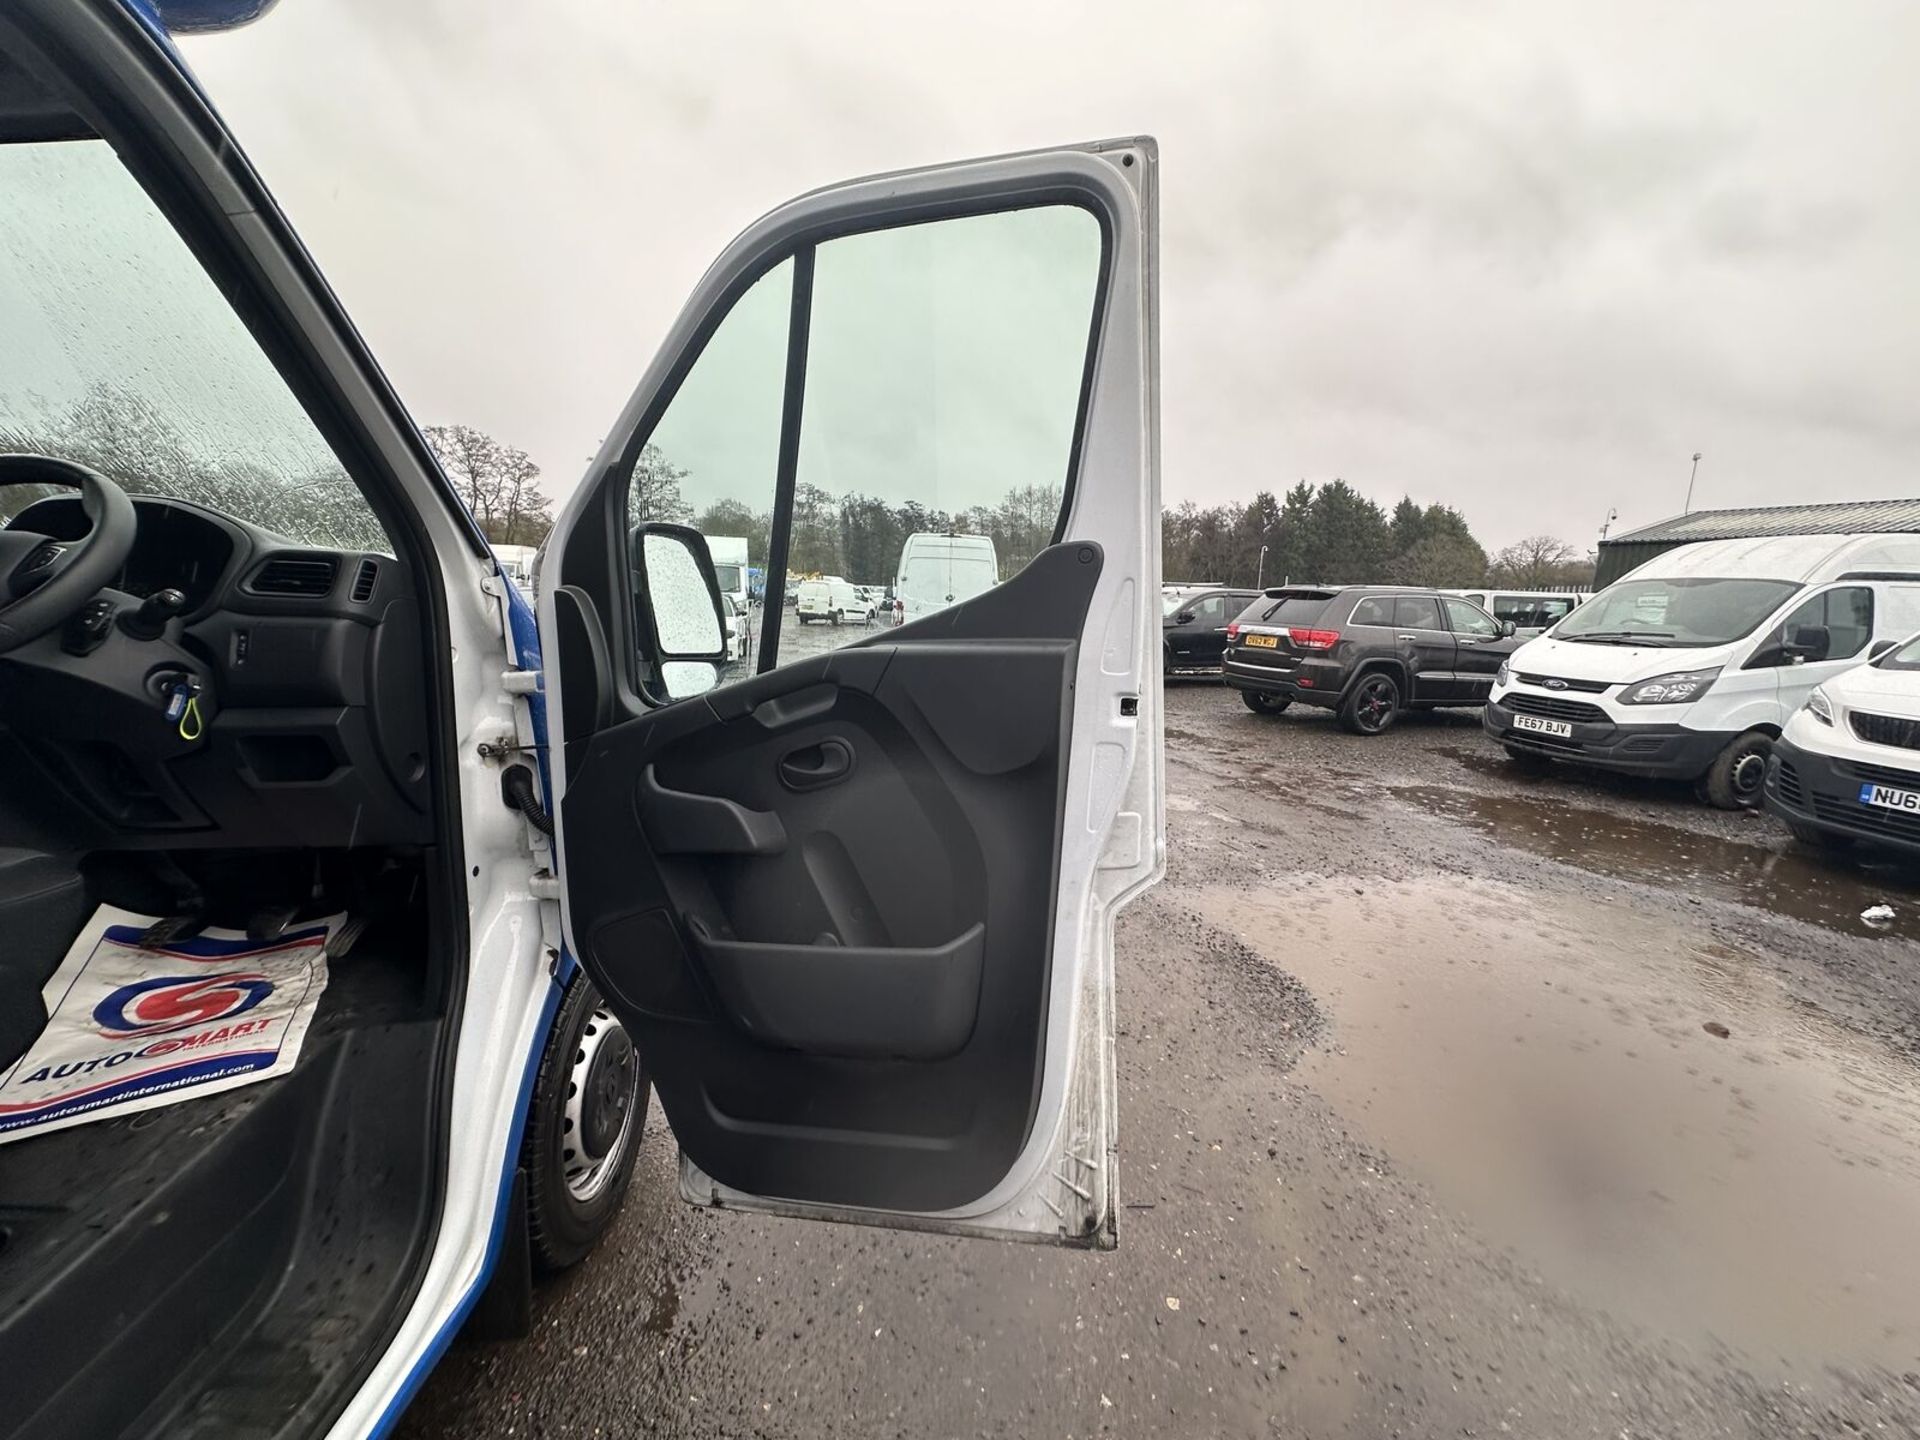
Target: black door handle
814 767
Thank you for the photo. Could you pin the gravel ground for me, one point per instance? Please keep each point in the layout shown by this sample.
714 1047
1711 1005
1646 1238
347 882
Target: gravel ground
1452 1103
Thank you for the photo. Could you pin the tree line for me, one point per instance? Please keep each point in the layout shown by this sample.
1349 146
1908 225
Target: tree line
1312 534
856 536
127 439
1333 534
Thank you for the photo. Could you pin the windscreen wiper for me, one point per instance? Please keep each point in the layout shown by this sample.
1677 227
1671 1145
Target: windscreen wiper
1617 637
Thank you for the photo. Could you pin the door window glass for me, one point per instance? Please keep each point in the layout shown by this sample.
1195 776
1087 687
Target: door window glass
713 460
1416 612
1847 614
944 369
935 426
1210 613
1374 610
1470 619
1531 612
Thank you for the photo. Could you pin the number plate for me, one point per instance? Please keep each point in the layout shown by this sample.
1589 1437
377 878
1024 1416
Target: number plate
1885 797
1264 642
1543 727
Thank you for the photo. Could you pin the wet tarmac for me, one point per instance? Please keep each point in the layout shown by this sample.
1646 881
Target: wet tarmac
1453 1102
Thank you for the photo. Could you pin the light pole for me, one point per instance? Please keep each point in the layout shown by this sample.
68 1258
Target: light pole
1261 573
1690 478
1612 515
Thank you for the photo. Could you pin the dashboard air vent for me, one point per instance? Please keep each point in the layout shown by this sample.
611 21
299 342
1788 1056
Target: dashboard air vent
300 575
365 580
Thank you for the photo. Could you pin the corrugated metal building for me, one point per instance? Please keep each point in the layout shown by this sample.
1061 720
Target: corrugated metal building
1621 553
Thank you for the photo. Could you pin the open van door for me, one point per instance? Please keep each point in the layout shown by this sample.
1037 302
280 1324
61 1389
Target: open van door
857 908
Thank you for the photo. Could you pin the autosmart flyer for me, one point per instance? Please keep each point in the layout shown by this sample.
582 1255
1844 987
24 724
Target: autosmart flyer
133 1026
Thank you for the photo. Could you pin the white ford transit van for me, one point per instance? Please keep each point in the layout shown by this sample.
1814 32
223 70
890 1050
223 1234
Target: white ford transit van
1688 667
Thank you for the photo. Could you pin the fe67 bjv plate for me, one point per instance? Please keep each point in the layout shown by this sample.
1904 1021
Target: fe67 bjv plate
1538 726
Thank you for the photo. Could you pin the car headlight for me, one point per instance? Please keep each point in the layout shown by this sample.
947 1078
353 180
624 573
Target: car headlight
1503 674
1820 706
1675 689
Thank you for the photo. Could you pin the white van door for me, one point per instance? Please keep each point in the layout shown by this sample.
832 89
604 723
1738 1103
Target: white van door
857 910
1825 633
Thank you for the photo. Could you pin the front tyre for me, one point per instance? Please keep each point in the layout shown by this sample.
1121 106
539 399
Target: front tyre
1739 772
583 1130
1372 705
1262 704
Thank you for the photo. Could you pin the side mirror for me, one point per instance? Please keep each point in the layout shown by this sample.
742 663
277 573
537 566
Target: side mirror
1881 647
1806 642
681 621
1185 617
1507 627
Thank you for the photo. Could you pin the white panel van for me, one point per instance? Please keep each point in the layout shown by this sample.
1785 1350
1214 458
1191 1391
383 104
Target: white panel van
830 599
941 570
1688 667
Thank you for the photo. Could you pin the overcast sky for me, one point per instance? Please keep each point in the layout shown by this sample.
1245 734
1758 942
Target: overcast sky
1522 259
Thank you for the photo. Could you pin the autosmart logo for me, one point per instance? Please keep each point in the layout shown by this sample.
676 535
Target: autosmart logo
169 1003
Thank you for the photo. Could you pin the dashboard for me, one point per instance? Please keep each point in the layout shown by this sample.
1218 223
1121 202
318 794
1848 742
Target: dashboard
307 666
176 548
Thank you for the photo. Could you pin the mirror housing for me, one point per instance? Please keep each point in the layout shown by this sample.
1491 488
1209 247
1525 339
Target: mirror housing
682 627
1185 617
1881 647
1806 642
1507 628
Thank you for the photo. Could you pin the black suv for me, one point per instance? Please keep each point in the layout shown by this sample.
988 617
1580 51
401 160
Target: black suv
1365 651
1193 625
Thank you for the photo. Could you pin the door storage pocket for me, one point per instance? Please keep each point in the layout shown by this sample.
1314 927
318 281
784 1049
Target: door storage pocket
862 1003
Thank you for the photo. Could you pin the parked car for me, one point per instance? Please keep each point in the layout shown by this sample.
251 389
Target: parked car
1193 626
1689 667
730 568
830 601
938 570
1847 766
1528 611
284 679
1368 652
739 625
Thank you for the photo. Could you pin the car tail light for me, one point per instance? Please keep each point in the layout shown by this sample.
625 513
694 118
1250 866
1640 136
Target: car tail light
1233 630
1313 639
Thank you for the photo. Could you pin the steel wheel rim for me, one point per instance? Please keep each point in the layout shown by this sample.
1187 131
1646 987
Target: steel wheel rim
596 1124
1749 773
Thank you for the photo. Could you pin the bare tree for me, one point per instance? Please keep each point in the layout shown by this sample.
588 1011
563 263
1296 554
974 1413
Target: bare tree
471 459
1533 563
499 483
526 513
654 491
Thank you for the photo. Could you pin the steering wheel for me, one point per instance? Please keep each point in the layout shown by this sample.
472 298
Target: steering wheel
43 581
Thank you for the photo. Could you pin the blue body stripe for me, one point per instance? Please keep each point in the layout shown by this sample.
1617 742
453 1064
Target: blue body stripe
437 1346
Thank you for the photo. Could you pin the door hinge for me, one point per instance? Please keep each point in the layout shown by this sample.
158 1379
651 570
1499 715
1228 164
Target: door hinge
545 886
521 682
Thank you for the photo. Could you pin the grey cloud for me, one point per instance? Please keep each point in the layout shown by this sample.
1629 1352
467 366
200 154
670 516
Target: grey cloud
1522 258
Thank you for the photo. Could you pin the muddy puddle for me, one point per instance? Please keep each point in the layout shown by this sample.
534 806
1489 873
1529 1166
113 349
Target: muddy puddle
1640 1114
1828 892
